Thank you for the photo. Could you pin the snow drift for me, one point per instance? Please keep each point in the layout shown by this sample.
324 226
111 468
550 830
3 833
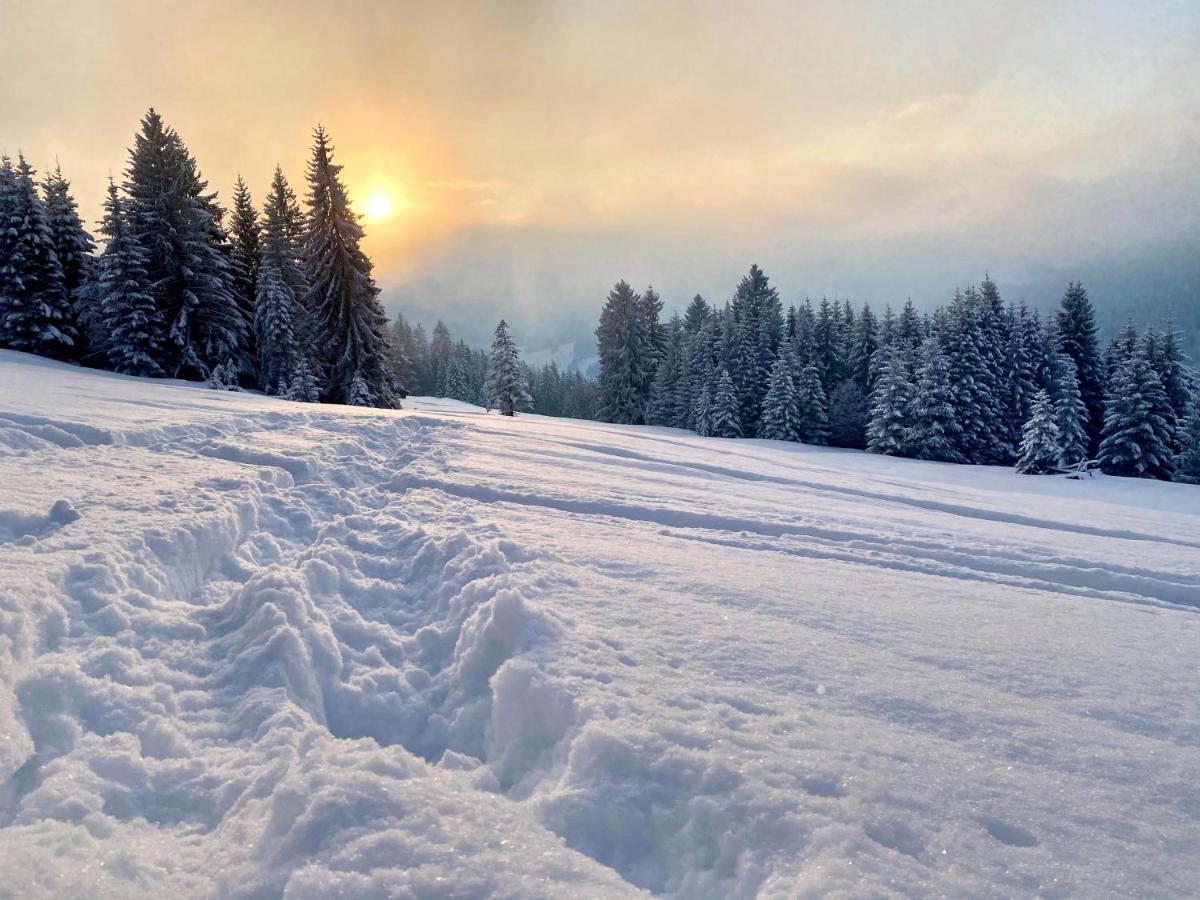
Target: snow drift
251 648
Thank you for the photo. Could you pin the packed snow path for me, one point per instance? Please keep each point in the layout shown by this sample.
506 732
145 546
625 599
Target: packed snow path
250 648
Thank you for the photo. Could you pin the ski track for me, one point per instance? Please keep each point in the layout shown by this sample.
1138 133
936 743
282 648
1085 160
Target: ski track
256 649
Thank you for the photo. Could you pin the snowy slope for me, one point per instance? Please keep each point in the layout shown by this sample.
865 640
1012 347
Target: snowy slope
251 648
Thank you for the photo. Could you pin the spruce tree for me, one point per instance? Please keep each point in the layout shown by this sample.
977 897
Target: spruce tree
864 341
1187 464
74 248
848 413
664 393
724 418
1136 438
35 309
349 327
279 291
189 272
1070 412
887 431
696 315
781 411
756 329
1076 324
812 407
505 384
624 347
246 252
440 347
1040 447
933 430
125 311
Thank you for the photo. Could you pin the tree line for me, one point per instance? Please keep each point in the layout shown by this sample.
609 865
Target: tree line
975 381
283 300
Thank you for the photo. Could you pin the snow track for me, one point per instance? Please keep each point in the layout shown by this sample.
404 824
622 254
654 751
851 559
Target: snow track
258 649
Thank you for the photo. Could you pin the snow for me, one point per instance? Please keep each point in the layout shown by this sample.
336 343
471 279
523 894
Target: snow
253 648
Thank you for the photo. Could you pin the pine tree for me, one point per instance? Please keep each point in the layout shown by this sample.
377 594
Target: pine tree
1187 464
188 265
1070 412
887 432
781 411
279 289
303 387
348 324
812 407
35 310
848 413
126 314
756 327
702 412
864 341
505 385
439 357
246 252
624 346
724 419
664 393
74 248
1136 439
934 430
1040 447
696 315
455 380
1076 324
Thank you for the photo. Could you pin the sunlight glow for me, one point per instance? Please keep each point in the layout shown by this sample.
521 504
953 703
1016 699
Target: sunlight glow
379 207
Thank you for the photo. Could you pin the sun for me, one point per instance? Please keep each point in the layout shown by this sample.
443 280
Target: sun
378 207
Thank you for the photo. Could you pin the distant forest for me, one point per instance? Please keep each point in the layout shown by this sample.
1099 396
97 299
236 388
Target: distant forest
283 300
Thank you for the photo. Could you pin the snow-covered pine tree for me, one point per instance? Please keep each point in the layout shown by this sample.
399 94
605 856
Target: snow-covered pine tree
976 404
864 341
279 291
887 431
812 407
74 248
1187 464
724 419
848 412
664 393
1178 382
781 411
696 314
178 226
1076 324
506 391
245 238
933 432
274 309
349 327
1021 377
1040 448
650 307
125 311
756 327
303 387
440 347
1070 412
626 373
35 309
1136 439
455 379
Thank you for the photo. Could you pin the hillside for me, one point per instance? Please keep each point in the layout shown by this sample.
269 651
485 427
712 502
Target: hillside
252 648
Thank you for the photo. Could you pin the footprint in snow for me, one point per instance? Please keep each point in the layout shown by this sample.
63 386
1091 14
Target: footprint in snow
1006 833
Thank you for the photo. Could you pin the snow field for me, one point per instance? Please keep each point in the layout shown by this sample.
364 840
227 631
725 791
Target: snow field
251 648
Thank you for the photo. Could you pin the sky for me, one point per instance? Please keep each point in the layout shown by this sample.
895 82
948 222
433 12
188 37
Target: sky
532 153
